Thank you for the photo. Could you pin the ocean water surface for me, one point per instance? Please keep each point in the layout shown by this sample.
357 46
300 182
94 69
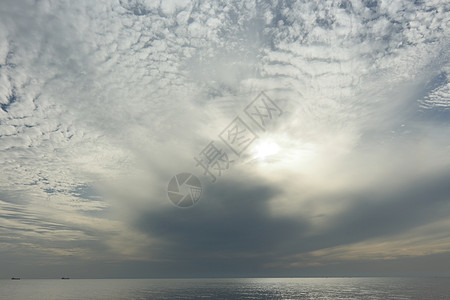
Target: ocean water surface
229 288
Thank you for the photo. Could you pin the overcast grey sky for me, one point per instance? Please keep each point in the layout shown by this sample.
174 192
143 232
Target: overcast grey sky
102 102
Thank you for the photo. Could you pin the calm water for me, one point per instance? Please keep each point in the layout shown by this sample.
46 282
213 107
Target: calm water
248 288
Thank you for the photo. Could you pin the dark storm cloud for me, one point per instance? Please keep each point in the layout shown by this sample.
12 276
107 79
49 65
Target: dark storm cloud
233 231
382 212
232 222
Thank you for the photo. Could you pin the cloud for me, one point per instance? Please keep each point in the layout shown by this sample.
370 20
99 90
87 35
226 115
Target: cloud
101 103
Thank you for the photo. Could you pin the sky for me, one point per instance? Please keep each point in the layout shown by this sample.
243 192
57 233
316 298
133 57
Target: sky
343 168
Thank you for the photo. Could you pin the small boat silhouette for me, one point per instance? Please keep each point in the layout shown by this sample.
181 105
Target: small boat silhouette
64 278
15 278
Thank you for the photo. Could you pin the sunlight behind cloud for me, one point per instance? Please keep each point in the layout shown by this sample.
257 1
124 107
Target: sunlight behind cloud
265 148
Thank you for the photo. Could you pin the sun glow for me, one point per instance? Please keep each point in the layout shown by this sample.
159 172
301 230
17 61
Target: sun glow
265 149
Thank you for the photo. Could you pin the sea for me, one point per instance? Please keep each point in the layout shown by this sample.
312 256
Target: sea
229 288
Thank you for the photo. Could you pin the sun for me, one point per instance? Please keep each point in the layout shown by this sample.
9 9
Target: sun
265 148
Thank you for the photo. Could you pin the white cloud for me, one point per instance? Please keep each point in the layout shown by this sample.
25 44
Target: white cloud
128 92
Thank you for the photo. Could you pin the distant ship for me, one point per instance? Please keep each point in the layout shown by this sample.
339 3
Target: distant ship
15 278
64 278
